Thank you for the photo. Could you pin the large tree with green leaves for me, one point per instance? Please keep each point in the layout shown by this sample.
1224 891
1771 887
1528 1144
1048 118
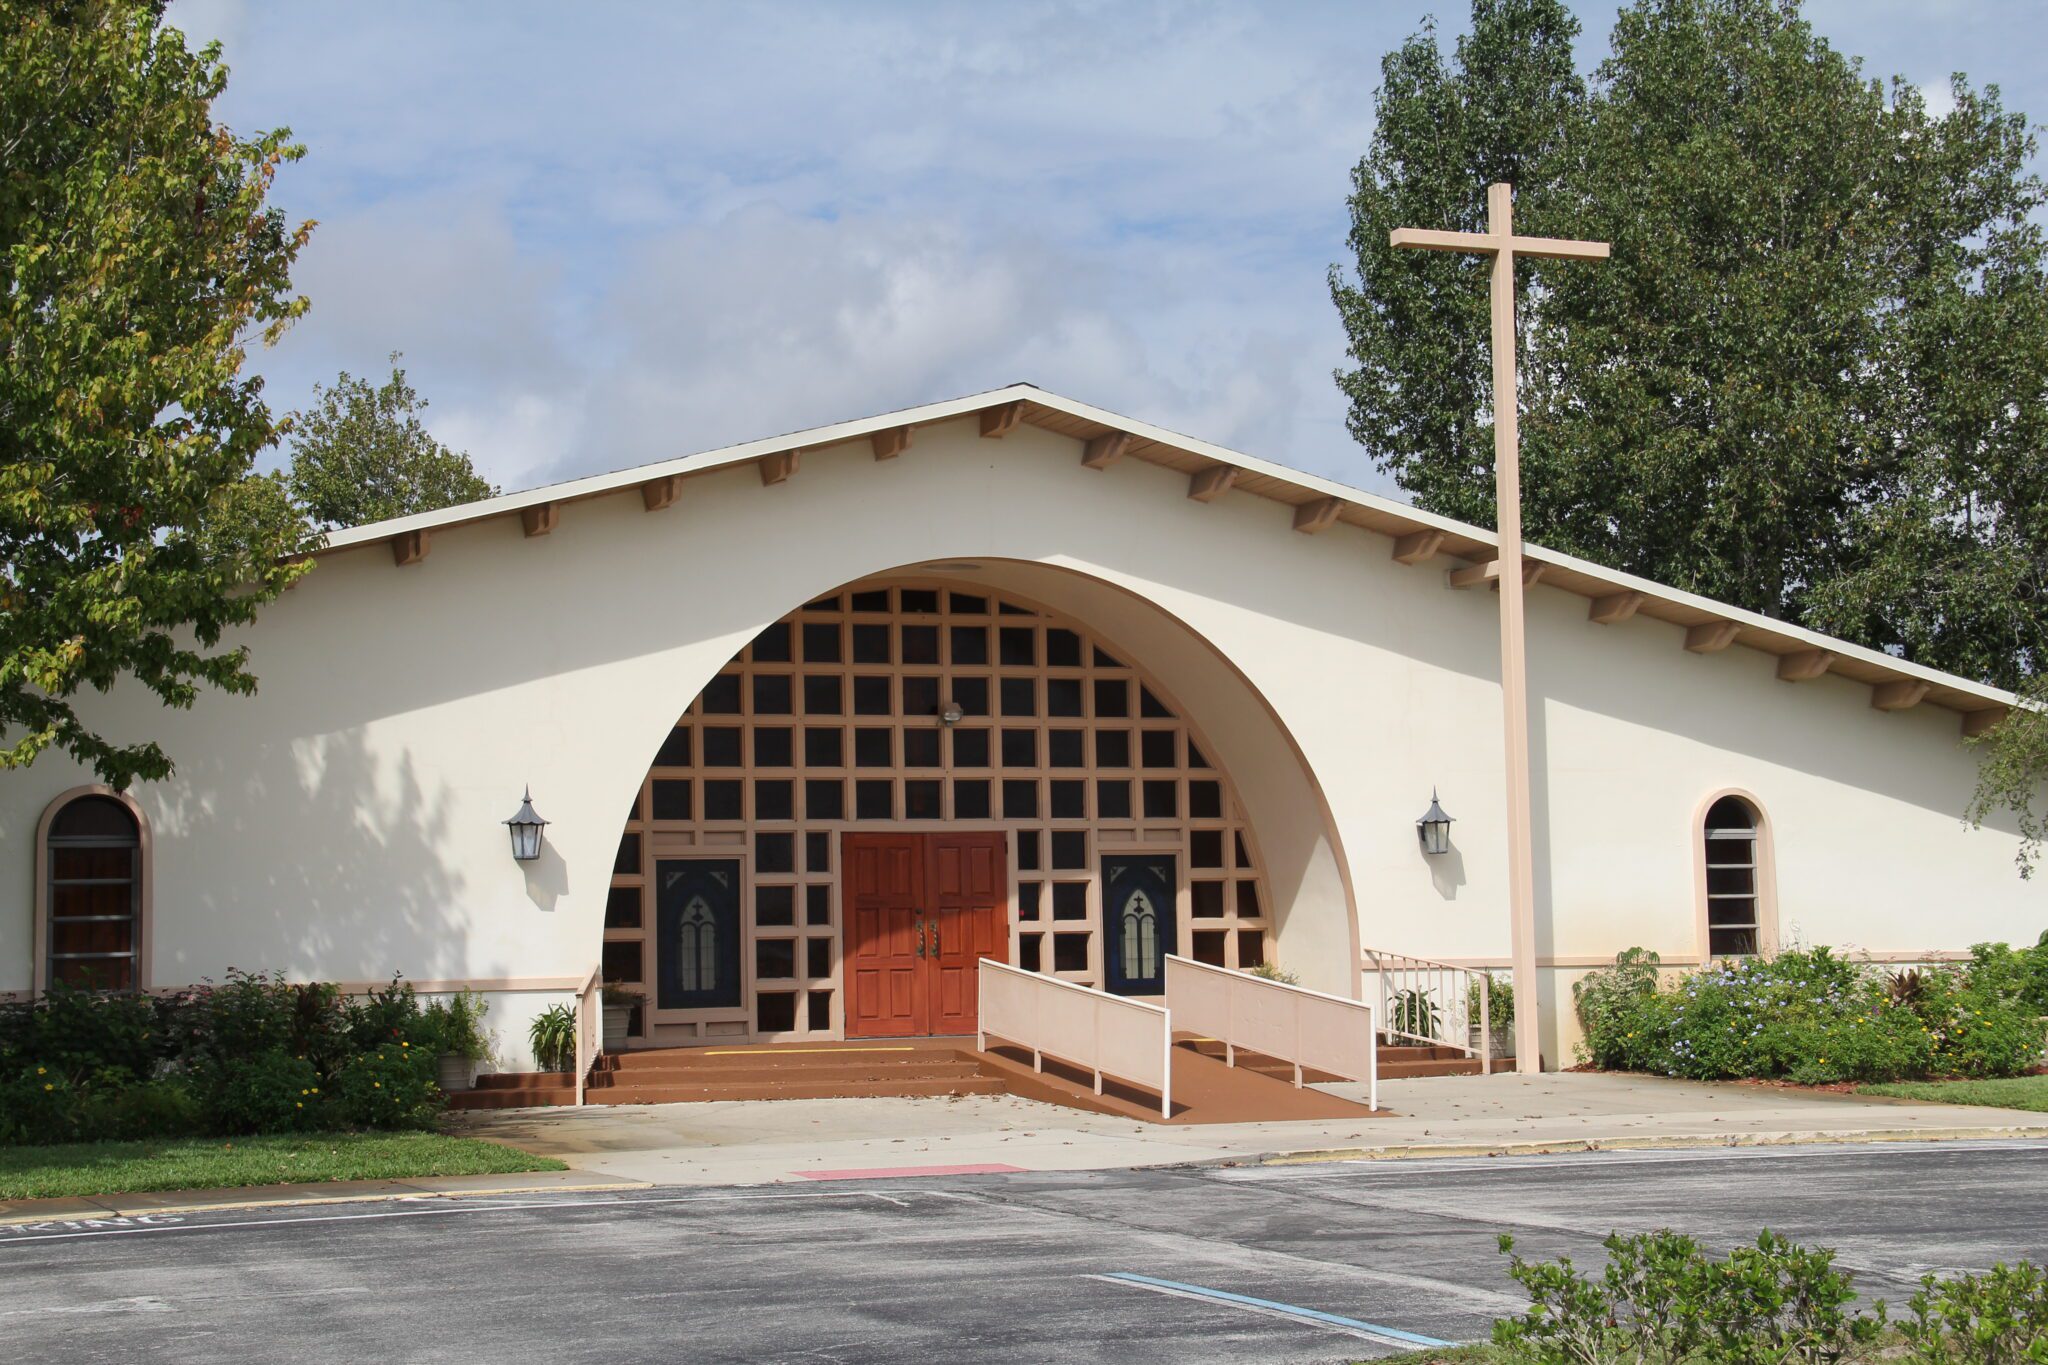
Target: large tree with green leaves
1813 378
138 261
362 453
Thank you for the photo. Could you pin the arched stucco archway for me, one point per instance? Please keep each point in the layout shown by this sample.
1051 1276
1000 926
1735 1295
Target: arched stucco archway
1073 744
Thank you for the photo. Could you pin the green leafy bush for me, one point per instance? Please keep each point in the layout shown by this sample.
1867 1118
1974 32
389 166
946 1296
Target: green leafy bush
254 1054
1809 1016
1997 1318
271 1092
455 1026
1663 1300
388 1087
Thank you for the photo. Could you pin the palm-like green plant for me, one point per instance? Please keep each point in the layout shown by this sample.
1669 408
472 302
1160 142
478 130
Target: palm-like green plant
553 1036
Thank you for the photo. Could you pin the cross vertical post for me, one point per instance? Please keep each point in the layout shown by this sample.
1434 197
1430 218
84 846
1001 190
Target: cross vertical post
1500 243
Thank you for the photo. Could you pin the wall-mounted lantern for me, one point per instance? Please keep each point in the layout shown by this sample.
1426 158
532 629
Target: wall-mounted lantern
526 826
1434 828
950 713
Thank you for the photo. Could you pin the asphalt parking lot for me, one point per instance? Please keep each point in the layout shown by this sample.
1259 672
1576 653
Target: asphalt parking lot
1324 1262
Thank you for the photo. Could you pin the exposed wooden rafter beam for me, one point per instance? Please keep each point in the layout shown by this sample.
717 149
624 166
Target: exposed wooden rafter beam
1804 666
1981 722
1711 637
656 494
890 442
1417 546
1105 450
1000 422
1614 607
1902 694
541 518
1207 485
410 547
1320 515
778 467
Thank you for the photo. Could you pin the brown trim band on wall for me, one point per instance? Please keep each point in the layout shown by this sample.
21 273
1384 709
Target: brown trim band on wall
1590 960
504 985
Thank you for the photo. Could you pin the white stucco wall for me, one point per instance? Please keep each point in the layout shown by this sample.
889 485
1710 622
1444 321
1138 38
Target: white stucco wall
345 822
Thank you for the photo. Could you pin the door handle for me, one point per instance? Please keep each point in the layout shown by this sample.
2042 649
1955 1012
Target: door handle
920 938
935 938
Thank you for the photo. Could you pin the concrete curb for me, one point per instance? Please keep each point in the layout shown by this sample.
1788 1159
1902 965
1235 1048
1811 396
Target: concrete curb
88 1208
1673 1142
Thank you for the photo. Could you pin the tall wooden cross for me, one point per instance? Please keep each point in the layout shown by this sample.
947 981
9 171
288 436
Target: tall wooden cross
1499 242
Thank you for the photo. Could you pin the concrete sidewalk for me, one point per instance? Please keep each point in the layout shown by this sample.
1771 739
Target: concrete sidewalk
761 1142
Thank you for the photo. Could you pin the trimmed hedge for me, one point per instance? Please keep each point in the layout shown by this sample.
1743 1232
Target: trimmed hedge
251 1055
1811 1017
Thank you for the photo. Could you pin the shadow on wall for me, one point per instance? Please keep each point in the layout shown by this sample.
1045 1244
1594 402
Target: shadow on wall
335 911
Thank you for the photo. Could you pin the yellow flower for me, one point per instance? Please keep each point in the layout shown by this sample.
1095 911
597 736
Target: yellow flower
405 1044
40 1070
316 1089
378 1084
48 1086
298 1104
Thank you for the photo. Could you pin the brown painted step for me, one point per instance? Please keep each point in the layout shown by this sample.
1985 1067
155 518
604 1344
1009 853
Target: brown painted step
704 1062
902 1088
951 1069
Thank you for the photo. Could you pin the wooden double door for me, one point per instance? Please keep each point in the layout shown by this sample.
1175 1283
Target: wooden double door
920 912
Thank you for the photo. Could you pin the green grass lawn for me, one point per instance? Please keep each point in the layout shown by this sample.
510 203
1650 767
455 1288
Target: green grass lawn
2011 1092
87 1168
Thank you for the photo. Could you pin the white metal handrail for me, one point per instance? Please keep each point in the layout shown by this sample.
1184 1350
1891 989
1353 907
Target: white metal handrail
1291 1023
589 1029
1416 990
1110 1035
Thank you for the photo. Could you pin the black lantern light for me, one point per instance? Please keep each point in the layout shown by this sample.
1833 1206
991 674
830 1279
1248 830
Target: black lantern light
526 827
1434 828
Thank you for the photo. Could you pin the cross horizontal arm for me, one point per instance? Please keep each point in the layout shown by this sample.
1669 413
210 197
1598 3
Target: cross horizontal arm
1430 239
1558 249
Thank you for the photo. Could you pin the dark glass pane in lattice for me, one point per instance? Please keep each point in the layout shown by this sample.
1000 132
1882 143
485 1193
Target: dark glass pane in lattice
874 800
775 905
675 750
1070 952
874 599
874 747
771 646
820 1010
1062 648
1112 697
818 850
966 604
722 695
970 748
919 601
871 644
920 644
817 905
622 908
921 799
628 857
774 746
824 799
1069 849
1205 900
623 962
1017 646
1205 800
775 1012
722 746
971 695
1020 748
1027 900
1248 900
775 799
775 853
1067 800
773 694
671 799
1064 749
1205 848
1028 951
1112 748
1020 799
1113 799
1157 748
1020 696
817 957
1027 849
1162 800
970 800
821 642
920 696
920 748
824 694
722 800
824 746
970 644
1150 707
1070 900
871 696
1063 696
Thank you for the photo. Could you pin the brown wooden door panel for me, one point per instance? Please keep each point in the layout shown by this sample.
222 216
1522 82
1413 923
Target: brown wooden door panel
970 874
882 901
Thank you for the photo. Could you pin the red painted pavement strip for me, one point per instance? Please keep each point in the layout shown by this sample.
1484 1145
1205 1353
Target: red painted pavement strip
885 1172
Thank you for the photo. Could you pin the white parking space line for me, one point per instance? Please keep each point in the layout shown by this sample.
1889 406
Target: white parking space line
1312 1317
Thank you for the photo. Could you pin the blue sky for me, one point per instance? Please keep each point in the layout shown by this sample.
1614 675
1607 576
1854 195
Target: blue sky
608 233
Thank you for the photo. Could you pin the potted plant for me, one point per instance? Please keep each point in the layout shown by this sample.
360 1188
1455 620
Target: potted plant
619 1003
1272 971
1500 1013
457 1026
552 1035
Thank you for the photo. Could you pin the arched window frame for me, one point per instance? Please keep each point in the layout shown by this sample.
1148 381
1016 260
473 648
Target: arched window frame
144 861
1766 873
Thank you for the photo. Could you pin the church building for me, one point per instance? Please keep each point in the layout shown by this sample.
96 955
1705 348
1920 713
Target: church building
820 721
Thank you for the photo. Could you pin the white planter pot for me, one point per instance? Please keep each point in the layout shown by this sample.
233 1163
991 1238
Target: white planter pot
1503 1040
616 1020
456 1073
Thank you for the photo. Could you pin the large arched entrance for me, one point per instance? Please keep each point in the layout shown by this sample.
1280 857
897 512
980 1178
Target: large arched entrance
899 778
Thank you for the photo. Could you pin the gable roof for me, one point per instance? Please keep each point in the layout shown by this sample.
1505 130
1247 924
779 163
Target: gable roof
1212 469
